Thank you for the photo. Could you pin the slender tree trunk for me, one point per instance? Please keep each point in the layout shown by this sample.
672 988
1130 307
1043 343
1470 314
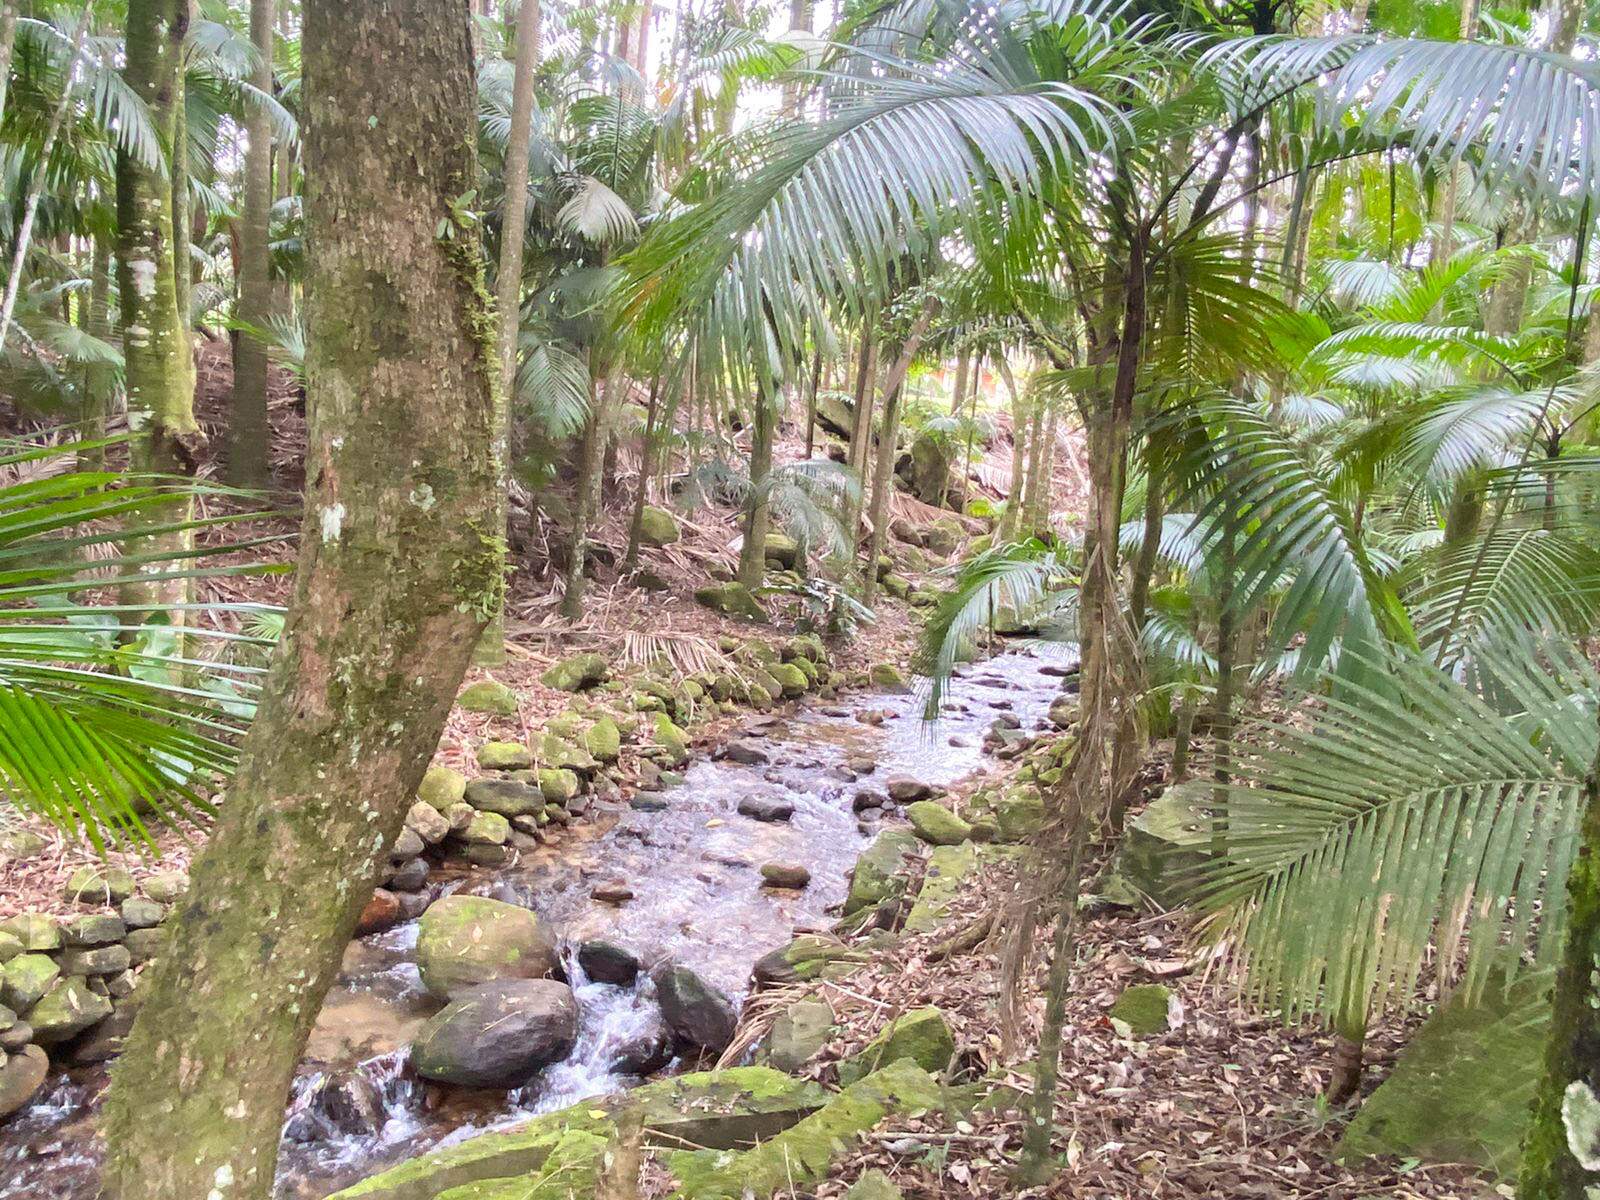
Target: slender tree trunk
883 472
8 39
100 382
1181 737
158 358
182 206
1011 518
861 415
591 453
396 577
248 464
802 16
1144 566
630 560
811 401
30 205
958 396
1550 1168
758 515
1036 509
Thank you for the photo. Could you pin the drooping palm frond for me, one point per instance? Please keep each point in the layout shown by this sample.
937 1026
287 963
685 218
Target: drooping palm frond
1457 431
1404 826
684 654
809 499
552 385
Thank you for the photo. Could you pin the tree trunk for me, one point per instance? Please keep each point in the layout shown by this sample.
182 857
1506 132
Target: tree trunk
248 424
753 553
158 359
8 39
100 381
883 472
630 559
811 401
1036 509
1550 1169
397 575
1011 518
1144 567
958 396
182 207
586 503
861 415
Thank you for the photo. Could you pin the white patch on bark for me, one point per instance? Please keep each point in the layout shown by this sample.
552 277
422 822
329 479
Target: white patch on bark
422 496
222 1181
332 522
144 278
1580 1113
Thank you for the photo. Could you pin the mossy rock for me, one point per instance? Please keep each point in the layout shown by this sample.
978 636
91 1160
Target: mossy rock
727 1109
808 956
573 1169
659 527
1143 1008
800 1156
504 756
878 873
1164 845
35 931
1463 1087
948 868
576 673
603 740
554 751
66 1010
798 1035
782 551
874 1185
99 885
488 696
936 824
463 941
920 1035
25 980
442 787
671 740
943 536
1018 814
897 586
731 599
507 797
16 845
887 677
558 785
807 646
790 679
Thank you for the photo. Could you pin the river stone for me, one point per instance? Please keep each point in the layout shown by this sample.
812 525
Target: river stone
1064 712
878 873
507 797
920 1035
25 979
99 885
607 962
699 1016
381 911
350 1103
10 947
67 1010
104 1041
790 678
488 696
463 941
746 754
1143 1008
407 845
603 740
96 960
504 756
886 677
428 823
948 867
577 673
496 1035
611 892
647 802
410 875
1018 814
731 600
936 824
785 875
442 787
798 1035
139 913
557 785
671 740
145 944
658 527
21 1078
12 1040
808 956
488 854
645 1052
766 808
34 930
906 789
486 829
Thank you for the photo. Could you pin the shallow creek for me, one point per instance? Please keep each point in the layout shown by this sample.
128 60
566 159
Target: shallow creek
694 870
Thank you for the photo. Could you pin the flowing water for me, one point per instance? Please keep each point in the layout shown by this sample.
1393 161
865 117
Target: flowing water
694 869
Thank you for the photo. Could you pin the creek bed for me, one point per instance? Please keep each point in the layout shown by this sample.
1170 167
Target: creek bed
698 900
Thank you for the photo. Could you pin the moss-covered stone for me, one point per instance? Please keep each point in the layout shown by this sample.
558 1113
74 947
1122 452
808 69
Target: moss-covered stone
948 867
25 979
799 1156
1463 1087
790 679
797 1035
659 527
1143 1008
99 885
572 1170
807 646
66 1010
463 941
554 751
731 600
17 845
488 696
887 677
1018 813
507 797
808 956
936 824
442 787
669 739
878 872
1163 845
920 1035
722 1110
897 586
10 947
576 673
782 551
603 740
558 785
35 931
504 756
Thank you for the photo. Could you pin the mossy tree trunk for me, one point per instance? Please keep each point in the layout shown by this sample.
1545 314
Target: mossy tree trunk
398 570
888 435
247 420
100 379
586 501
1011 518
758 513
8 41
158 359
182 206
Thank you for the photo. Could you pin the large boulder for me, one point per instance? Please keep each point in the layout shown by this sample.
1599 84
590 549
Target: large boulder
790 678
441 787
576 673
67 1010
699 1016
464 941
926 469
658 527
936 824
879 872
920 1035
1163 845
798 1035
508 797
603 740
782 551
21 1078
496 1035
731 600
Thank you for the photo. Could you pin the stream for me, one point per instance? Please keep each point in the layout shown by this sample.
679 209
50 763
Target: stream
694 870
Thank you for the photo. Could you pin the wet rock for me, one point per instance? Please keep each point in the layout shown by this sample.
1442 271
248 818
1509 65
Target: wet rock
1143 1008
869 798
798 1035
745 753
139 913
1064 712
1004 722
603 740
21 1078
428 823
464 941
442 787
381 911
809 956
34 930
658 527
731 600
920 1035
486 829
504 756
95 960
645 1052
791 679
498 1034
410 876
488 854
611 892
25 979
906 789
861 764
766 808
349 1103
408 844
557 785
886 677
99 885
699 1016
66 1010
97 929
936 824
878 872
607 962
507 797
577 673
488 696
792 876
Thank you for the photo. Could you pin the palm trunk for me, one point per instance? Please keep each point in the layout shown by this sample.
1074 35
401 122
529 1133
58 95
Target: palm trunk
811 401
248 464
1011 518
1144 567
390 596
861 415
99 384
1181 738
182 207
883 472
36 185
753 553
1036 509
958 396
8 39
630 559
591 452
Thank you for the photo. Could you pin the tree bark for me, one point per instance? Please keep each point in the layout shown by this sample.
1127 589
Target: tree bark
8 40
1011 518
1041 467
182 206
758 514
99 383
586 503
883 471
958 395
396 577
647 447
248 426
